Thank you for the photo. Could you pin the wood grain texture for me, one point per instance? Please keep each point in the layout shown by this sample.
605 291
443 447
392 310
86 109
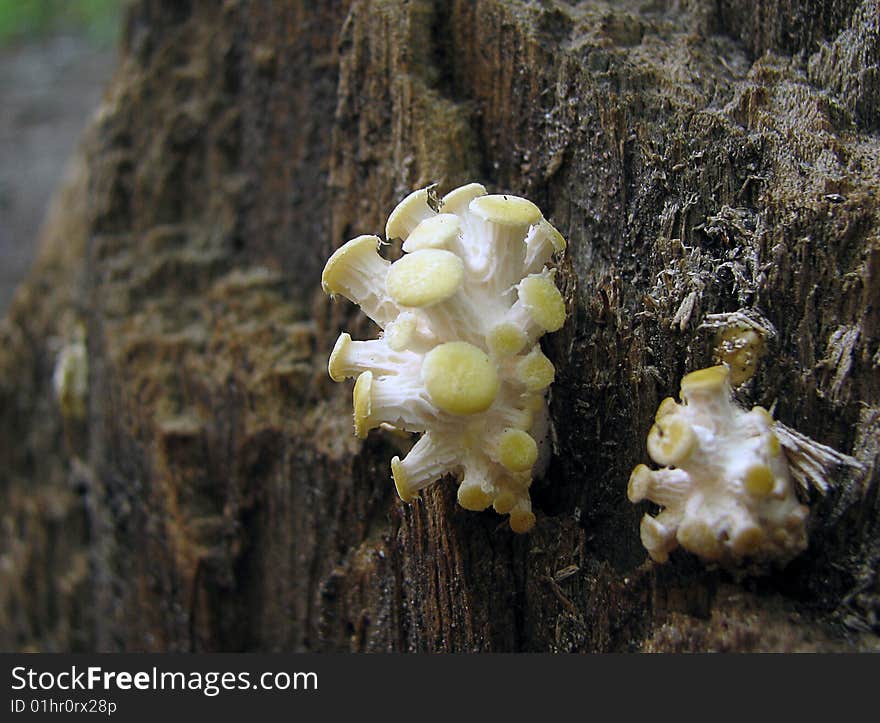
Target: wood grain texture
698 158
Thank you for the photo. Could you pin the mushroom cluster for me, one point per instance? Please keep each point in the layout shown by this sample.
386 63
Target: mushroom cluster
458 360
725 486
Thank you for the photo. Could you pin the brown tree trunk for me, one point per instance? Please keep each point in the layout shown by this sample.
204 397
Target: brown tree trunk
719 153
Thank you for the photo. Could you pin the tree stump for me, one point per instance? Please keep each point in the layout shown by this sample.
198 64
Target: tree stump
700 157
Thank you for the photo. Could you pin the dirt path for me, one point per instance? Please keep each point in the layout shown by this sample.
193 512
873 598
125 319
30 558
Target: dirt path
48 90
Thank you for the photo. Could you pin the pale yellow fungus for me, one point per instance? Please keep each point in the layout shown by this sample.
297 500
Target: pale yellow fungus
400 334
521 520
459 361
709 380
458 199
506 339
335 367
517 450
437 232
357 272
747 540
360 254
408 214
506 210
547 231
724 486
759 480
542 239
671 441
362 403
639 483
425 277
428 460
543 301
535 371
398 474
667 406
504 502
460 378
741 349
473 497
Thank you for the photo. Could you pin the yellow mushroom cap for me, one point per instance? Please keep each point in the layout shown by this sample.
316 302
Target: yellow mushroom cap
506 210
758 480
521 521
656 538
460 378
711 379
407 214
763 415
400 333
425 277
667 406
543 302
671 441
740 348
747 540
556 238
535 371
473 497
639 483
695 535
401 482
436 232
363 390
334 364
506 339
543 233
517 450
459 198
504 502
346 255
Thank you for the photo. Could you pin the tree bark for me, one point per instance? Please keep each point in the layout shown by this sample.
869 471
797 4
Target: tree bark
701 155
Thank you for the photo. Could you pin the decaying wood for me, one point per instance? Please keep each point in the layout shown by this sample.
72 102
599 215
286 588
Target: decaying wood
701 157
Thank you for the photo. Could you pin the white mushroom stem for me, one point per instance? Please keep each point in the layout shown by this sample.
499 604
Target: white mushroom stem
539 307
658 534
400 401
707 392
477 490
430 458
497 254
521 517
357 272
403 403
462 316
457 202
667 487
350 358
499 241
542 242
514 417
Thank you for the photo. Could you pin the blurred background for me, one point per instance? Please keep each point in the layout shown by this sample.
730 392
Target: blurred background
56 56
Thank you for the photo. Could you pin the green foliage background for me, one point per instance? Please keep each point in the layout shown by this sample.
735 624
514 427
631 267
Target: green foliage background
24 20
